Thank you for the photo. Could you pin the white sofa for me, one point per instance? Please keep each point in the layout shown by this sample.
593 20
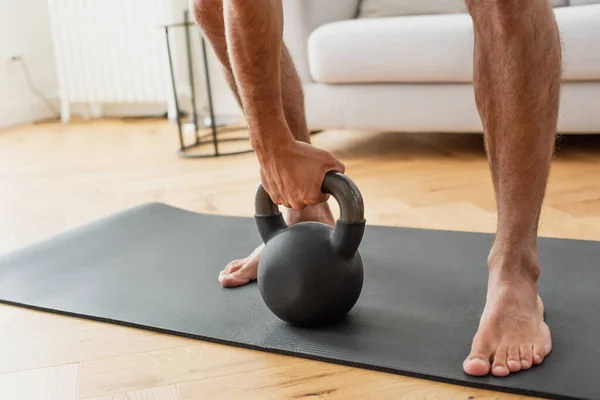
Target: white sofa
414 73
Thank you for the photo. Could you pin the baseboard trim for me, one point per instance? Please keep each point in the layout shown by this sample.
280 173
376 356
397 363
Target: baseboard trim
24 113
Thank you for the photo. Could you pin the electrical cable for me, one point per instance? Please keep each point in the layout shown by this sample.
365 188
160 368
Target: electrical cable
33 88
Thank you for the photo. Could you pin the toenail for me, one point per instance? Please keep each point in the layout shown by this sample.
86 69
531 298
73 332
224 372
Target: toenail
499 368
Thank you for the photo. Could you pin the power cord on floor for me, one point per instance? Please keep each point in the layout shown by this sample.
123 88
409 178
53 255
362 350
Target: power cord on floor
33 88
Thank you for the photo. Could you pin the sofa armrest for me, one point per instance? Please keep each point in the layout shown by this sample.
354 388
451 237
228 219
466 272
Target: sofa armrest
301 17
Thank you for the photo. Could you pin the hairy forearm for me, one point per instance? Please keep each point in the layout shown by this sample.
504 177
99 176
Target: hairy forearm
254 32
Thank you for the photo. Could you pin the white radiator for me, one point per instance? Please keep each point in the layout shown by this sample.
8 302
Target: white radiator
110 51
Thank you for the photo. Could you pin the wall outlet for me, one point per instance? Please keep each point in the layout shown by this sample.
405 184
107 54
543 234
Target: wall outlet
13 59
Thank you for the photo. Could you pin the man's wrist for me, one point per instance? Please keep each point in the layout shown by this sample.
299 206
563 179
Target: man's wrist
271 146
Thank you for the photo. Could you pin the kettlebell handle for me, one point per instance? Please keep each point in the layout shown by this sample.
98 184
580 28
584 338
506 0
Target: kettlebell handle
349 228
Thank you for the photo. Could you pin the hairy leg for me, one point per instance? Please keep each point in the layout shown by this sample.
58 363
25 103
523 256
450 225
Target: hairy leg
517 64
210 15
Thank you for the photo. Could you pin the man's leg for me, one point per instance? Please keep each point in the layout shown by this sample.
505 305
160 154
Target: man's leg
210 16
517 63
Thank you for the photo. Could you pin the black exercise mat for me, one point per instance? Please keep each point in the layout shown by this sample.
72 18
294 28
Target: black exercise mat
156 267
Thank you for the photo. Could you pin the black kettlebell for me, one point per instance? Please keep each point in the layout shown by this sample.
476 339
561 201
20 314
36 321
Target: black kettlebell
311 274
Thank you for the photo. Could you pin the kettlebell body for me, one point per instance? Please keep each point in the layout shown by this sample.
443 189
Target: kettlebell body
311 274
305 280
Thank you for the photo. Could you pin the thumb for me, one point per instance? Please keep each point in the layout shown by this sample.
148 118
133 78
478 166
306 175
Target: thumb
338 166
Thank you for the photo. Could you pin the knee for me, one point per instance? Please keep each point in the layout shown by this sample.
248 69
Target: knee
208 14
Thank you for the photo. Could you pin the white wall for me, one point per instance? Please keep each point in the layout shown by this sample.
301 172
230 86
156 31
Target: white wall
25 31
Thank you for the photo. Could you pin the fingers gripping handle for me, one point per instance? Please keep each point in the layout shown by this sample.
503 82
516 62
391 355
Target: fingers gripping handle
349 229
336 184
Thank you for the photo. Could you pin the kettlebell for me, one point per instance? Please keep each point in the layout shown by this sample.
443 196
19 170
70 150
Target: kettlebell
311 274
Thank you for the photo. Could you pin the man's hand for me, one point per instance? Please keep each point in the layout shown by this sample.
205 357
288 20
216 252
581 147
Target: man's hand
293 172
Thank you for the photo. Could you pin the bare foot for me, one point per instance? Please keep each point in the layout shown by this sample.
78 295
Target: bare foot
512 334
240 272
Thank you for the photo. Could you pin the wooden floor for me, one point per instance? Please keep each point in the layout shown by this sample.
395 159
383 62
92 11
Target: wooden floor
55 177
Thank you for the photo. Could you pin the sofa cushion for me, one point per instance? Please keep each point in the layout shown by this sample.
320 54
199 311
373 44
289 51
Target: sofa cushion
433 48
394 8
583 2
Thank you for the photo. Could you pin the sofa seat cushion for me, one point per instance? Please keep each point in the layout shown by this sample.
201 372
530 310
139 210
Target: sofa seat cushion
434 48
394 8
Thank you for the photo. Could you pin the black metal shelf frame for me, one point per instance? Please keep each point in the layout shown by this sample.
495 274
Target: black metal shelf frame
211 138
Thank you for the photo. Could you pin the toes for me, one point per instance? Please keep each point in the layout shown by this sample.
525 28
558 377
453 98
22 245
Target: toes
239 275
233 266
241 271
499 367
233 280
538 354
513 360
526 352
476 366
477 363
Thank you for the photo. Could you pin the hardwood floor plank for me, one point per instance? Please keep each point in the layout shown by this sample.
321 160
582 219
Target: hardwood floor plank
70 347
18 324
155 393
315 380
197 361
52 383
